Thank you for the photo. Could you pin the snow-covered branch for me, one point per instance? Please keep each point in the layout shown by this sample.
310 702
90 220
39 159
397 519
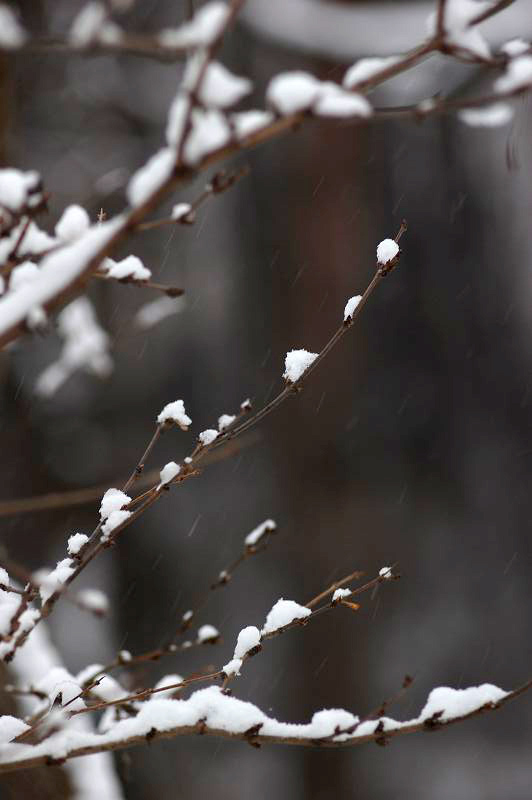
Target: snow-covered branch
214 713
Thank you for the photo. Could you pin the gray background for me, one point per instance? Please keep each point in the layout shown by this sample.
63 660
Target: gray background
411 443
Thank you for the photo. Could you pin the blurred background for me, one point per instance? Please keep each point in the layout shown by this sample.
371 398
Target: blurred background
411 443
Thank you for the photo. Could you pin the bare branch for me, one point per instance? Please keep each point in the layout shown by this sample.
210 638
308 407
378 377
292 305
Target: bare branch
133 44
79 497
218 184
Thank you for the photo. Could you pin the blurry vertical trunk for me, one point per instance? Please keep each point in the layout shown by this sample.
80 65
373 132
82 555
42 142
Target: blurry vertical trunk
51 783
316 233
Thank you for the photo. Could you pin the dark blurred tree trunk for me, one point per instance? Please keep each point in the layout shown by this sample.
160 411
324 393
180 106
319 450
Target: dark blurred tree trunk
50 783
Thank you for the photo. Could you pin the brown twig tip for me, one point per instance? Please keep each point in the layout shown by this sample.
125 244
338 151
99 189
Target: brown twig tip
350 606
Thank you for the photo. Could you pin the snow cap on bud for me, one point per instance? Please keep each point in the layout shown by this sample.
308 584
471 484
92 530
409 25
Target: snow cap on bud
174 413
387 251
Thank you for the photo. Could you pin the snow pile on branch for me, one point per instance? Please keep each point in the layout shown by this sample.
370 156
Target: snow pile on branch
488 117
58 684
291 92
366 69
85 347
333 101
130 267
108 689
94 600
351 306
14 621
459 29
10 727
193 131
76 542
88 24
56 579
74 222
387 251
174 413
220 88
9 603
518 75
208 633
248 639
91 778
206 25
59 270
177 117
294 92
155 311
254 537
34 243
167 680
232 667
19 189
283 613
296 363
210 132
30 241
340 594
151 176
225 422
180 210
168 473
458 702
113 500
247 642
112 513
23 274
207 437
113 521
187 616
246 123
516 47
196 126
110 33
12 34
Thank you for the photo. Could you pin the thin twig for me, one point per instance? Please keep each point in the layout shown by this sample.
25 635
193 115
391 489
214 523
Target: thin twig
169 291
496 8
171 647
218 184
353 576
143 694
78 497
96 545
137 472
225 575
134 44
315 612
